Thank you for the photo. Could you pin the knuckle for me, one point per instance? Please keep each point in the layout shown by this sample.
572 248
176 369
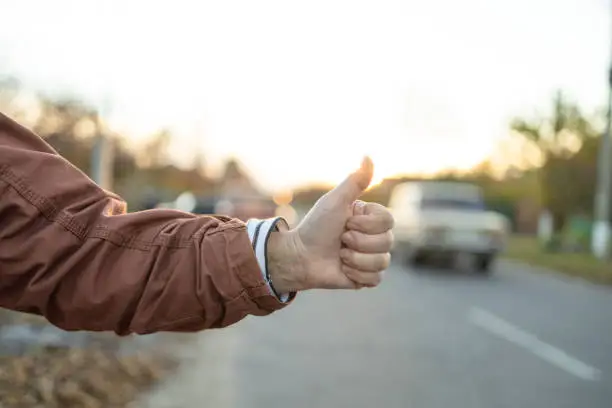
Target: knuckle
357 240
375 280
354 275
347 238
386 260
350 273
389 220
350 257
362 279
355 223
376 261
378 279
381 222
389 238
347 270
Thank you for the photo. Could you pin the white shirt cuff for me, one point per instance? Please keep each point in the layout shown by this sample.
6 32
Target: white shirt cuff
259 232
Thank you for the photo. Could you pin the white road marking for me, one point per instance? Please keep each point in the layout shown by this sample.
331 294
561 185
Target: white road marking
553 355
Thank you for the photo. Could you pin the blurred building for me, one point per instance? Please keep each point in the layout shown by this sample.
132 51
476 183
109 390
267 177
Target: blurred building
239 196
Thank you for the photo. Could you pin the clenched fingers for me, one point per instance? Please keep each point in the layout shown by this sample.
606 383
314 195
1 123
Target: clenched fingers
360 242
361 279
365 262
371 218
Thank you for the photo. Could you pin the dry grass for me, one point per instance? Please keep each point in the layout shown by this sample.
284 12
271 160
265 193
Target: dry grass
95 375
528 250
88 378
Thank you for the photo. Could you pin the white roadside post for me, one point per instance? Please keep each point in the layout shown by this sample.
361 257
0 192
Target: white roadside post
601 228
545 227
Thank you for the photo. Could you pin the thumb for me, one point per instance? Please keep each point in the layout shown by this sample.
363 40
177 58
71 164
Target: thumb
355 184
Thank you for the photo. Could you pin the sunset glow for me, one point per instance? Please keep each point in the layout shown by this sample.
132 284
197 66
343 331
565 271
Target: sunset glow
299 92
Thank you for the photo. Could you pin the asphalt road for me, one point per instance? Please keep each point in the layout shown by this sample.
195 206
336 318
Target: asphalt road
422 339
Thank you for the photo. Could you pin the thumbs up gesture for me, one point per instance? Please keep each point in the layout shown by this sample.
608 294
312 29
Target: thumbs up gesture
342 243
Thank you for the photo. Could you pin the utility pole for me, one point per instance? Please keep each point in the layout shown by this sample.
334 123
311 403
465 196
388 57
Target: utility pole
102 154
603 196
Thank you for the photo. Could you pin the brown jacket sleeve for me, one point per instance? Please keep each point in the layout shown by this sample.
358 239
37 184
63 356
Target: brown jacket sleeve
69 252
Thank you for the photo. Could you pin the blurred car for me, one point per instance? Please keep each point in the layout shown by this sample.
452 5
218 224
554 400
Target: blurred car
246 207
438 219
242 207
205 205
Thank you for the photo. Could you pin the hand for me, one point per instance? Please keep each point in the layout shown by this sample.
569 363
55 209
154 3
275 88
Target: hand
342 243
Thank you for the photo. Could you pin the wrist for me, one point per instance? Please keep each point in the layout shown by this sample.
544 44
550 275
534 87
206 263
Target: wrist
284 265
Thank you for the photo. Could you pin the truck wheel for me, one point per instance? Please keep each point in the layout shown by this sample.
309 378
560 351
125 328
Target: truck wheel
484 264
414 259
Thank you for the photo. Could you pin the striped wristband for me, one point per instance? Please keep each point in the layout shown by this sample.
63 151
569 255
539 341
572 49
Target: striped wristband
259 232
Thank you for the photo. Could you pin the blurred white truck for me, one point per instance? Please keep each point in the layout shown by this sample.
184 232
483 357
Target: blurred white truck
436 219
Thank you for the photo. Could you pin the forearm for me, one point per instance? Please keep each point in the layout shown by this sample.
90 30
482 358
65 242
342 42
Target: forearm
69 252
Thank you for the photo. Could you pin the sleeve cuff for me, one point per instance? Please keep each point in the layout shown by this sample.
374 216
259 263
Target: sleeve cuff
259 232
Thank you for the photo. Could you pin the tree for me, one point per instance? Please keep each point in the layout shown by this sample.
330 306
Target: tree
60 123
565 140
155 151
70 127
561 134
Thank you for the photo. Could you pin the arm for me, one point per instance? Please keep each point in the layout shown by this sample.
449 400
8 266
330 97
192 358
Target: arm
69 252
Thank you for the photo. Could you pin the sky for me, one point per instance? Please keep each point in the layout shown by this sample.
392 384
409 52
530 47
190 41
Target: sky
298 91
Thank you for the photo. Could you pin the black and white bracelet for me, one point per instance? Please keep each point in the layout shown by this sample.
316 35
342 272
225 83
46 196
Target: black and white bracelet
259 233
